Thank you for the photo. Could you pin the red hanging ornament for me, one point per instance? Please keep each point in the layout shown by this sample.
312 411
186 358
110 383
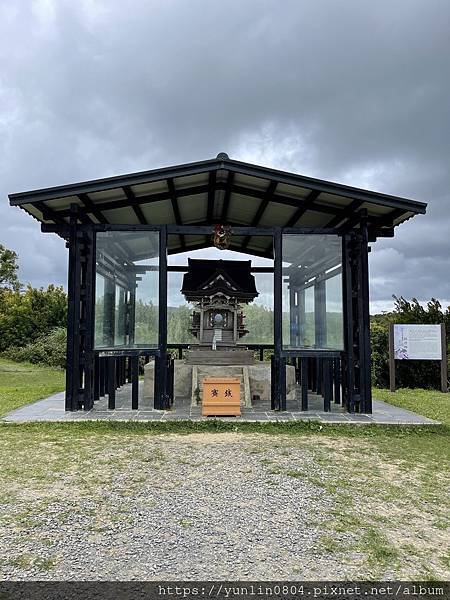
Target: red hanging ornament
222 236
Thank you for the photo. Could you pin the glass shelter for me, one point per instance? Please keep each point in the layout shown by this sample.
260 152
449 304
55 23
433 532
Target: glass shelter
121 230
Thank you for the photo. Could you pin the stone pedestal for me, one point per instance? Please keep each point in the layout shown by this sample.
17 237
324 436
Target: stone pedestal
255 380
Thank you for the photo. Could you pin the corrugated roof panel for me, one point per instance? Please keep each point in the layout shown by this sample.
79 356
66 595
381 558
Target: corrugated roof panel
242 209
107 195
403 218
256 183
193 208
260 243
63 203
191 180
237 240
294 191
313 219
36 213
121 216
334 200
173 242
158 213
146 189
277 215
193 240
376 209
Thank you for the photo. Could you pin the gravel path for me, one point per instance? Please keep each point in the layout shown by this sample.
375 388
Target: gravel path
191 507
217 506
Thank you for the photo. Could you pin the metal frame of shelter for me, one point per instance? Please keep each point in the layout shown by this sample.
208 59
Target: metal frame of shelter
183 204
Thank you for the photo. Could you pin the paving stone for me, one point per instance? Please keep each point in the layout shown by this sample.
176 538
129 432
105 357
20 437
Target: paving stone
52 409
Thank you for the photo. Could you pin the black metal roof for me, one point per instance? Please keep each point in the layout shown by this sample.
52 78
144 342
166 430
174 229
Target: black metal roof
206 277
220 190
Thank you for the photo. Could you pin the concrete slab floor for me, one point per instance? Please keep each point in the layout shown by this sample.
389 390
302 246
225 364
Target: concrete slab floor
52 410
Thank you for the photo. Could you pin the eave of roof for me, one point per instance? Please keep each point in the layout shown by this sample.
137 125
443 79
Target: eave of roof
187 169
218 190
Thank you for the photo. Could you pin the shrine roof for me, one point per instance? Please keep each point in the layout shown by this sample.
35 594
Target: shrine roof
205 277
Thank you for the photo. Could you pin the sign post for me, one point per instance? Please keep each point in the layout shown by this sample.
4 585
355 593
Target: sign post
417 342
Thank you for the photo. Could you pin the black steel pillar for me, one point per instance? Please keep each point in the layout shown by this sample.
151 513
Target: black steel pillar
135 382
364 320
87 319
161 393
349 361
279 385
112 372
73 383
304 377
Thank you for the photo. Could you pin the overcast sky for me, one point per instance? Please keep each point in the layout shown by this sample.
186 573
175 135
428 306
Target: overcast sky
353 91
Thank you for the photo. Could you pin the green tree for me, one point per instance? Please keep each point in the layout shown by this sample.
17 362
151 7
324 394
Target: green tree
8 269
24 316
179 322
259 322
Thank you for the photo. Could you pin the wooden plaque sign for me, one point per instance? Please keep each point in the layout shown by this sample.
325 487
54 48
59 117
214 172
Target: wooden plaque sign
221 397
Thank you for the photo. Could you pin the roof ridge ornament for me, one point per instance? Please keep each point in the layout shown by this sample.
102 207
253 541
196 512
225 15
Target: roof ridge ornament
223 156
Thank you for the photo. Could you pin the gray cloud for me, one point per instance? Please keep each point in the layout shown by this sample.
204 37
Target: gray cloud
350 91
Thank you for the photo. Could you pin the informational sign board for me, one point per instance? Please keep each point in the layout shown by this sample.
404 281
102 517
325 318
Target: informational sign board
417 342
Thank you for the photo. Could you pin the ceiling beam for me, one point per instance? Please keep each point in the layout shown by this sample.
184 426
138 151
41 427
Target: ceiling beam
307 204
345 214
175 207
174 200
388 220
138 201
226 199
339 215
268 195
48 214
94 209
211 196
201 189
288 201
134 203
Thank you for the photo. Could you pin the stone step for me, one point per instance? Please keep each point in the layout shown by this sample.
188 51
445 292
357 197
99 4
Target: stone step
220 356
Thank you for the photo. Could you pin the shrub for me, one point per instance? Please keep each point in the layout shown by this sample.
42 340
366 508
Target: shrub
379 340
48 349
25 316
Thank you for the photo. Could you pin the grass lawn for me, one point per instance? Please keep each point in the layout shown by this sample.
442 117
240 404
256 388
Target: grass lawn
430 403
379 497
22 383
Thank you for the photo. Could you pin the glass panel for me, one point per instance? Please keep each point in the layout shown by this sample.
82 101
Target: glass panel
179 312
335 317
147 307
312 292
259 314
127 288
120 315
99 310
